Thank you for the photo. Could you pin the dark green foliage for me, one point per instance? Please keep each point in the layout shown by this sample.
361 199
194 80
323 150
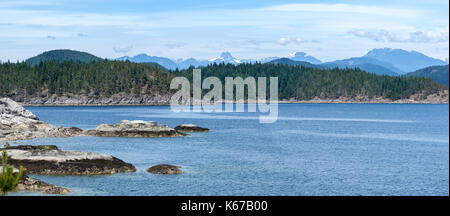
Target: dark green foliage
291 62
62 55
8 179
305 83
105 78
97 78
437 73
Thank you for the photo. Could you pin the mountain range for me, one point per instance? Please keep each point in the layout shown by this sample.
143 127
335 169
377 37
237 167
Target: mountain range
385 61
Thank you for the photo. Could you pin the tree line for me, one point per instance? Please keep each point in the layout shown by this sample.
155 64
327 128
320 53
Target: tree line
105 78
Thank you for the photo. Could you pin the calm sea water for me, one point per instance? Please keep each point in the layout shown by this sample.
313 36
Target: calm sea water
313 149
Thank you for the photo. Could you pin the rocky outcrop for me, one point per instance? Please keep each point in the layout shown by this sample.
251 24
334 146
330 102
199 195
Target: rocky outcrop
165 169
190 128
27 184
74 100
135 128
17 123
49 160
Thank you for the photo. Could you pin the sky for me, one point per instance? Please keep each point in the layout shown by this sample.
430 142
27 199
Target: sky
327 30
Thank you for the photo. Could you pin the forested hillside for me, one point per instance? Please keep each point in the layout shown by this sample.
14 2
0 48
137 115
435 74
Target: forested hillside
97 78
108 78
63 55
305 83
438 73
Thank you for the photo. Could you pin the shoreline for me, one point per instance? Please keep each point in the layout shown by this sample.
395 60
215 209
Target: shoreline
279 102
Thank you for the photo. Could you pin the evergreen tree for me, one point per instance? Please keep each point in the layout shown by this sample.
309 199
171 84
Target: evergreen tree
8 179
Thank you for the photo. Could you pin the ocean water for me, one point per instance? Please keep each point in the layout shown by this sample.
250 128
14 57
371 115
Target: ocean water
313 149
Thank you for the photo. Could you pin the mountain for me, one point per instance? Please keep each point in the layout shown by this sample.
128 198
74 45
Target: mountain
268 59
62 55
437 73
370 65
301 56
291 62
406 61
226 58
144 58
183 64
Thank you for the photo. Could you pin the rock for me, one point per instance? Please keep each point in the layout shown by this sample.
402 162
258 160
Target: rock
31 184
165 169
12 113
190 128
17 123
49 160
136 128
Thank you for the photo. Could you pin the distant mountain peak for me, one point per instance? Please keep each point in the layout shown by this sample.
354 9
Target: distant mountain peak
141 55
297 54
226 57
302 56
407 61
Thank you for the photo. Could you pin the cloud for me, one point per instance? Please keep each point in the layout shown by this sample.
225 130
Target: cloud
175 45
122 49
51 37
413 37
428 37
345 8
82 35
291 40
254 42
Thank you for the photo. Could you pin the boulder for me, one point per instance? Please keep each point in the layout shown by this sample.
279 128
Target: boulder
165 169
190 128
49 160
136 128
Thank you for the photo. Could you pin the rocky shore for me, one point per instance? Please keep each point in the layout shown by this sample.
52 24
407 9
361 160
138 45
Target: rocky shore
17 123
77 100
125 99
50 160
28 184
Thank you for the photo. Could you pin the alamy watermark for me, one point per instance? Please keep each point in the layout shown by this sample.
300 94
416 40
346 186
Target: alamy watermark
212 101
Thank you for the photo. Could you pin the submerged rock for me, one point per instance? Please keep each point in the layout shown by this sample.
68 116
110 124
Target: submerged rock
165 169
49 160
190 128
17 123
136 128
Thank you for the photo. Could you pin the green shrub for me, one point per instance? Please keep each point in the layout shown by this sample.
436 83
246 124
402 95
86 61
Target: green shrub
8 180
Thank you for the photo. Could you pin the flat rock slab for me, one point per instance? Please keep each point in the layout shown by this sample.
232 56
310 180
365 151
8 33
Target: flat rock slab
136 128
49 160
165 169
190 128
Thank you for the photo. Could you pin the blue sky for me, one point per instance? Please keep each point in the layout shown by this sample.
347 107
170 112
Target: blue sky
328 30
